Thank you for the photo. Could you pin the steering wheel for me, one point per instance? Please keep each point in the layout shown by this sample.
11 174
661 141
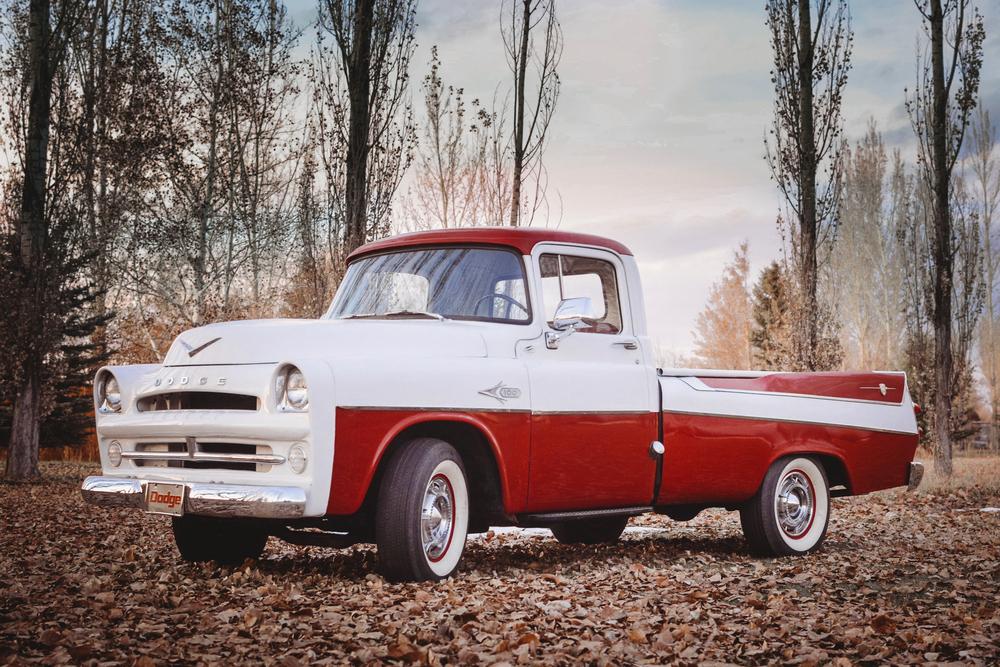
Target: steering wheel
503 297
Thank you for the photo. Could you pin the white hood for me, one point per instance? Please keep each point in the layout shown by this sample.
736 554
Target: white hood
271 341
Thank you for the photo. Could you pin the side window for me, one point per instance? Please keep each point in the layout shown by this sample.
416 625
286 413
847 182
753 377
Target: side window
567 276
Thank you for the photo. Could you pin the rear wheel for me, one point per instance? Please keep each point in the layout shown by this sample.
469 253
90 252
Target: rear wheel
790 513
422 517
590 531
226 541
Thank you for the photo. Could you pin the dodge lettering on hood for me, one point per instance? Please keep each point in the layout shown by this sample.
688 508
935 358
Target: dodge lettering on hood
464 379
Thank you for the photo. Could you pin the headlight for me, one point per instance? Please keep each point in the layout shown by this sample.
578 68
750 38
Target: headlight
109 395
291 389
297 458
115 453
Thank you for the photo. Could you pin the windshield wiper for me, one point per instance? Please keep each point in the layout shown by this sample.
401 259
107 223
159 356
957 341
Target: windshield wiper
402 314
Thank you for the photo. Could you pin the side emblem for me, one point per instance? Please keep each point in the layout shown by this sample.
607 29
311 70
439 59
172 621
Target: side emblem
881 388
501 392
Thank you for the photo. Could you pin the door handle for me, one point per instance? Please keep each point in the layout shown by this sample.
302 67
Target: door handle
627 344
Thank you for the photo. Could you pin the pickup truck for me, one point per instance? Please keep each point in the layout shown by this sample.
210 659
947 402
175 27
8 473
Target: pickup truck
463 379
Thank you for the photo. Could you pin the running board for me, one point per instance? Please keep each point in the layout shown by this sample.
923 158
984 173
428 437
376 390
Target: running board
313 538
549 518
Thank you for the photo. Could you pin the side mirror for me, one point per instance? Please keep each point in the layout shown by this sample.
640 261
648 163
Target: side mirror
572 313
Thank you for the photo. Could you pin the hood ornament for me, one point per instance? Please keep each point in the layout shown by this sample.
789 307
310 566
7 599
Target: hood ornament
195 350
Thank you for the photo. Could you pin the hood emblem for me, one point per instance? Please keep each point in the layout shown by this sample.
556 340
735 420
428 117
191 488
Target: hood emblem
195 350
501 392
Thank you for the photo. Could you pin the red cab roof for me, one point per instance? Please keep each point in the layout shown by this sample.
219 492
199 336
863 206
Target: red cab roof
520 238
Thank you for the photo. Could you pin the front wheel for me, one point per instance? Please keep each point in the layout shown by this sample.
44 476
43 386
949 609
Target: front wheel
423 512
790 513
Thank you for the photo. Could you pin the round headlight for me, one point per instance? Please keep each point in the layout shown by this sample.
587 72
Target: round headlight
297 458
296 391
112 393
115 453
109 395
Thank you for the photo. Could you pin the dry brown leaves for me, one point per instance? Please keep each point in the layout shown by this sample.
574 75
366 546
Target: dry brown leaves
902 579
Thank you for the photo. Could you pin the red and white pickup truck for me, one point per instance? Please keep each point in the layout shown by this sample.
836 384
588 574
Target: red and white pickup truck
471 378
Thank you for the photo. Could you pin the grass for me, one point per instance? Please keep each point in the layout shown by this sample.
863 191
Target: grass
969 471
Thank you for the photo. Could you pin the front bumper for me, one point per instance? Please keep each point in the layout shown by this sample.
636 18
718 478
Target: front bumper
222 500
915 474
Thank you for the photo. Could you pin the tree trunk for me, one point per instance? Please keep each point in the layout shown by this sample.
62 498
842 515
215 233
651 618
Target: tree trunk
942 245
359 126
522 69
22 458
807 192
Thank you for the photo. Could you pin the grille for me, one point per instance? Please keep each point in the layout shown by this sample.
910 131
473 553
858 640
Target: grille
197 400
204 456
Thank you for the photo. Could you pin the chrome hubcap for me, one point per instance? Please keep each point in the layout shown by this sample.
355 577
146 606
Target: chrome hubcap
437 517
794 504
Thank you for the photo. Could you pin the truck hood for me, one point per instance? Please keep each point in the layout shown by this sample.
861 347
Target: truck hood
272 341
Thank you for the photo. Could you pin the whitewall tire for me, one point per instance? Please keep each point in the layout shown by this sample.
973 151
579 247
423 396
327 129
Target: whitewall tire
422 517
790 513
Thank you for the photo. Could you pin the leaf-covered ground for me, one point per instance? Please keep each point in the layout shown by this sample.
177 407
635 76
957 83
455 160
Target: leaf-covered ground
903 578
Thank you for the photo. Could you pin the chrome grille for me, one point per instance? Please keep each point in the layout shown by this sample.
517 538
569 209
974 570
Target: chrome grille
197 400
204 456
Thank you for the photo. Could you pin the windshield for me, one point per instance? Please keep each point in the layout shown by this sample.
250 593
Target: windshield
454 283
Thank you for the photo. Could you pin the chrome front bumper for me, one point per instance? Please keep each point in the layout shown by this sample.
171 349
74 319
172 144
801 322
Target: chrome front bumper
915 475
223 500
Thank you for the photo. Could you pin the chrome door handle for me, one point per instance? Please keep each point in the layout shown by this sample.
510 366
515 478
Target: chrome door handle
627 344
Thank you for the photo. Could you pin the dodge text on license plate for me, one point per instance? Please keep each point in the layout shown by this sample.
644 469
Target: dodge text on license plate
165 498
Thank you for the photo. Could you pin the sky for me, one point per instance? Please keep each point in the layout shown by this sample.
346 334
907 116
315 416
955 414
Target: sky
657 139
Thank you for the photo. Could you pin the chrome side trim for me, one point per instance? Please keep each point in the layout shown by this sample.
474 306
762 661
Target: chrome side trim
414 408
459 411
221 500
916 473
269 459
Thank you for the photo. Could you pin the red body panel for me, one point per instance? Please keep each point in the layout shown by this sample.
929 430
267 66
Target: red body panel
553 462
363 435
863 386
599 460
521 239
712 459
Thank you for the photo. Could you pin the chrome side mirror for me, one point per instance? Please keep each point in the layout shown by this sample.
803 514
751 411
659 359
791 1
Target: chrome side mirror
570 316
571 313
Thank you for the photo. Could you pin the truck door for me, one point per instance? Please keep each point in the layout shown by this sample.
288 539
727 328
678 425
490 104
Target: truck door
592 420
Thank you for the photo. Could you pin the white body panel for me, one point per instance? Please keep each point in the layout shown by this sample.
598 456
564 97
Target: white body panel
588 372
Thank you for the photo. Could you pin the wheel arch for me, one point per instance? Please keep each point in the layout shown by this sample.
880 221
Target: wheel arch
832 462
488 488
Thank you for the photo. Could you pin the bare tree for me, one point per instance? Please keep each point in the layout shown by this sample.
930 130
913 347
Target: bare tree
985 168
865 264
722 331
365 118
811 61
214 236
448 183
40 249
521 22
940 109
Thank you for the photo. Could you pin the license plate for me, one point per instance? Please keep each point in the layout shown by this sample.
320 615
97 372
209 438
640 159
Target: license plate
165 498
